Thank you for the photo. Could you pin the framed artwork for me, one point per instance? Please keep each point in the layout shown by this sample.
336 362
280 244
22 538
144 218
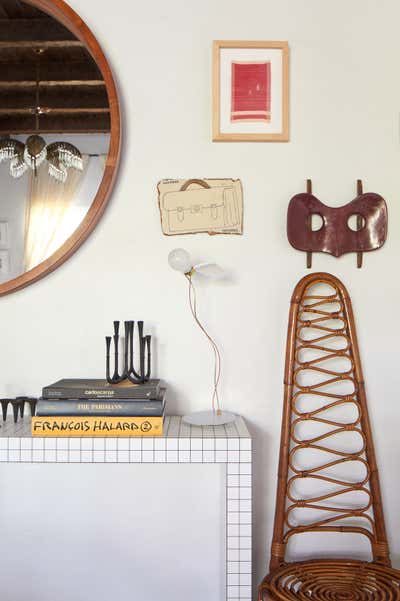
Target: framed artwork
250 91
193 206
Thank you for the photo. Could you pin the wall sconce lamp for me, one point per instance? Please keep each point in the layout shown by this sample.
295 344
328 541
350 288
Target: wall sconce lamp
180 260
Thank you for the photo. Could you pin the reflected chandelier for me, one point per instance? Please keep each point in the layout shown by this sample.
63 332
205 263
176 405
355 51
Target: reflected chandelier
60 156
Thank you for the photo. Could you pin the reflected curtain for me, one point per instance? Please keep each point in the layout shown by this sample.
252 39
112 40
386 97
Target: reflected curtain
52 213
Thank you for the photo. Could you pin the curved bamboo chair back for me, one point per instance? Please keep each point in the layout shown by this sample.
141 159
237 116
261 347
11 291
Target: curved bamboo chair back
321 334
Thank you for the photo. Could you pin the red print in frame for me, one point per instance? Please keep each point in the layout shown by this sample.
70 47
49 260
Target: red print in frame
251 91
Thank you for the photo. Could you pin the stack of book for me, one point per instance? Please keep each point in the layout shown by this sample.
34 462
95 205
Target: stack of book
80 407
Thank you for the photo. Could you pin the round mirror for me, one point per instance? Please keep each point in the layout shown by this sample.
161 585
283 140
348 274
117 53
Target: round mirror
59 137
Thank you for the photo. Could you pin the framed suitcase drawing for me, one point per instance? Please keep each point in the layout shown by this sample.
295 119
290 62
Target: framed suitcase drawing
213 206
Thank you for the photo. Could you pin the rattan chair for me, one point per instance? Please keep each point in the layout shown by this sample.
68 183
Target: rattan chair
323 384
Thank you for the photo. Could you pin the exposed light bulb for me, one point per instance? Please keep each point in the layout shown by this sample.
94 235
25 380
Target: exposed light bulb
180 260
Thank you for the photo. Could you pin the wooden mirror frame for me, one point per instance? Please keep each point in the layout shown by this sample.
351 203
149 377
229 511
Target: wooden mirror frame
70 19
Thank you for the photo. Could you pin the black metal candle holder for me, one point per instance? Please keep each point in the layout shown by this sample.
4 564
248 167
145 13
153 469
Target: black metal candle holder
129 372
18 406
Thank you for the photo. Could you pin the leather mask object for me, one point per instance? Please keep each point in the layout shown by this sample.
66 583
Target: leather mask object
335 236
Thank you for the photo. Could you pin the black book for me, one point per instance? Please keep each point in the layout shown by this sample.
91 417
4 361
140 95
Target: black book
81 388
102 407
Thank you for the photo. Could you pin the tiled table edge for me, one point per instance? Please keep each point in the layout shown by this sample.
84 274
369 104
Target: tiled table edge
230 445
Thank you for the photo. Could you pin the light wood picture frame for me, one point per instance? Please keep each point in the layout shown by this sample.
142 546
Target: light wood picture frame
250 91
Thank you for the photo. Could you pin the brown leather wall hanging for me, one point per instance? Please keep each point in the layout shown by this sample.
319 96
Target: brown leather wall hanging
328 477
336 236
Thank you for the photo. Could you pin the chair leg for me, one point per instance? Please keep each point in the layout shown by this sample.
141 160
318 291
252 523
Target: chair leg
263 593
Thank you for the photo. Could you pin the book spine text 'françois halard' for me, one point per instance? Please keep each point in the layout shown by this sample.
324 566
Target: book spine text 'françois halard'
96 426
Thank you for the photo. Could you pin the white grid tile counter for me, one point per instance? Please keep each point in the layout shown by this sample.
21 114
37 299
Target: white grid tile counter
180 443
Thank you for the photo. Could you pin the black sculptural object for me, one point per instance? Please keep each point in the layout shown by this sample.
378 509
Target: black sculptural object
129 372
18 406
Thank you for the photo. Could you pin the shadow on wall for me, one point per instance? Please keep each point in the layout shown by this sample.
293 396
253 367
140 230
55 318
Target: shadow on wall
264 468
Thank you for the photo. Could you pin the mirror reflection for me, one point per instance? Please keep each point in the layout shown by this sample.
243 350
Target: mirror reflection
54 135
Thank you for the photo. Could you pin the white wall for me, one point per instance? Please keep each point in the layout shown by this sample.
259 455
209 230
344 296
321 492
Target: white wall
345 100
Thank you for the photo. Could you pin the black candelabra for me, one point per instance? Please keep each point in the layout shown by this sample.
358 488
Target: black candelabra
18 406
129 372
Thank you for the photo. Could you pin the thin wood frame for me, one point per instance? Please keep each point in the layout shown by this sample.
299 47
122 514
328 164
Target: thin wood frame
218 136
63 13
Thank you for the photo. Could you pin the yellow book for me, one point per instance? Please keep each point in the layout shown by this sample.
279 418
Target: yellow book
96 426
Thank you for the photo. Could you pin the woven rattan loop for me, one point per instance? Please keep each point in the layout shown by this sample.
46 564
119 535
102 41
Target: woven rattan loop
332 581
381 549
278 549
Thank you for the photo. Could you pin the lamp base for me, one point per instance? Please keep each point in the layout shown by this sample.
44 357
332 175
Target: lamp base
209 418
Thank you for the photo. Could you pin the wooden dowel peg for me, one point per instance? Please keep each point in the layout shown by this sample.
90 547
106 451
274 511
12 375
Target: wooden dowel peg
309 253
360 223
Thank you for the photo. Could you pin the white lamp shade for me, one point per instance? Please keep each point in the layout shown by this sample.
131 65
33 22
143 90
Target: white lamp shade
209 270
179 259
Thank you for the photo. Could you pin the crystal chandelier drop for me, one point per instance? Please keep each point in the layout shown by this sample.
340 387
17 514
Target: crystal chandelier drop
60 156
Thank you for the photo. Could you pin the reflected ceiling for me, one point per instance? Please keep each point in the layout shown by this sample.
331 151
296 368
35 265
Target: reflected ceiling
34 48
